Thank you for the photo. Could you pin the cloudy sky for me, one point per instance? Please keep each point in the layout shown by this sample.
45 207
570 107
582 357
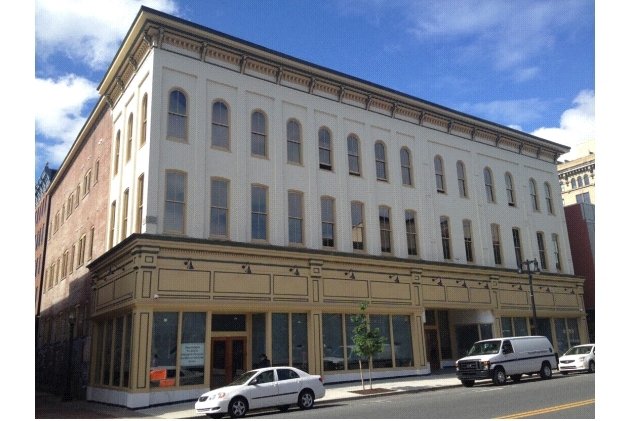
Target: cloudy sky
528 65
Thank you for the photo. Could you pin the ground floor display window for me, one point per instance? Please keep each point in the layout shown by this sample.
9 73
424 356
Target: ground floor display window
113 351
289 340
339 350
467 335
514 326
567 336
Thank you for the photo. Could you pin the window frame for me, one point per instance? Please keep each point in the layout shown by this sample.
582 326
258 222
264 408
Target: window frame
541 247
411 237
183 204
556 250
330 203
218 208
175 114
496 242
130 136
534 196
468 241
140 201
293 144
219 126
510 189
125 214
327 150
445 238
143 122
489 187
262 134
354 155
548 196
359 227
294 218
264 214
519 255
385 230
439 172
381 162
461 173
117 153
406 167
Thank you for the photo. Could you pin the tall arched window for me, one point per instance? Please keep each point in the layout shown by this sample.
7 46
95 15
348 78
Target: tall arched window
573 183
259 134
220 126
293 142
406 167
586 179
579 180
116 152
533 195
130 132
548 192
462 180
380 161
354 163
488 185
143 121
510 193
440 175
176 123
325 149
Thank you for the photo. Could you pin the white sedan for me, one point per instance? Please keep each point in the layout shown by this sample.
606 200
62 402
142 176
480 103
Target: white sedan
578 358
279 387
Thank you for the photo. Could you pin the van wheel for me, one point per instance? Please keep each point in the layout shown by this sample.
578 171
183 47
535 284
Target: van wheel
499 376
467 383
515 377
546 371
592 367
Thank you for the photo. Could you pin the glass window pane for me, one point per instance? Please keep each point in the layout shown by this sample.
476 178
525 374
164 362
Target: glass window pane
127 351
333 345
402 335
164 349
561 334
520 326
384 358
352 359
118 352
572 328
258 337
280 339
192 356
299 341
507 327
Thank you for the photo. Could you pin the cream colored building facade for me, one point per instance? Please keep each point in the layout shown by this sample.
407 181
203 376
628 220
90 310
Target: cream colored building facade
257 199
578 176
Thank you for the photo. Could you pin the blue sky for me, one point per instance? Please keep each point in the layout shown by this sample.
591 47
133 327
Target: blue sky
529 65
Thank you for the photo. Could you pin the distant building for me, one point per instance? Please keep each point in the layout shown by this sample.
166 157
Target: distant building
578 191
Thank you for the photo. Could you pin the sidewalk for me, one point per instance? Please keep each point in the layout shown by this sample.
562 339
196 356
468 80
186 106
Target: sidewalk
50 406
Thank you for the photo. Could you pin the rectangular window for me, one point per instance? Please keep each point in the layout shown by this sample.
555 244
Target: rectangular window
295 217
382 322
219 208
175 202
385 230
542 251
495 238
259 213
192 355
280 338
354 167
141 203
555 250
91 244
517 244
402 335
468 240
164 348
446 240
583 198
410 232
333 342
125 214
327 205
87 182
324 144
71 259
357 221
81 250
112 223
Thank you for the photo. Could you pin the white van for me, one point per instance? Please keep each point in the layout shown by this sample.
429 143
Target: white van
507 357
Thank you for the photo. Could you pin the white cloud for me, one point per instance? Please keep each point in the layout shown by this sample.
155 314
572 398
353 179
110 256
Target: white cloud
577 125
509 112
87 31
60 113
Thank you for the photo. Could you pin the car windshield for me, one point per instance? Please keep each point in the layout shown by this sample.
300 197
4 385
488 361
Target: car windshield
484 348
243 378
578 350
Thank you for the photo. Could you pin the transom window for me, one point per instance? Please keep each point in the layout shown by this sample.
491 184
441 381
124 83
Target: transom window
220 125
324 145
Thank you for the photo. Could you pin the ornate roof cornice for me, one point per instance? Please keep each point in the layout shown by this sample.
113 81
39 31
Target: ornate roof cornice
153 29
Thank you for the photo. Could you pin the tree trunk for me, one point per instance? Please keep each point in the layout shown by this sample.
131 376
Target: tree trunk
361 374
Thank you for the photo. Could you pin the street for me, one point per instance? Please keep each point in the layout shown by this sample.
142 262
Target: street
571 396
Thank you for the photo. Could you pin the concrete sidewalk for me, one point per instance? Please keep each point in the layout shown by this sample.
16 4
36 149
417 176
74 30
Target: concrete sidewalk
49 406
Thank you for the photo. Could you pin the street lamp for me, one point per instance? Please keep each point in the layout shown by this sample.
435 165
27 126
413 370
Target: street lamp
68 392
536 270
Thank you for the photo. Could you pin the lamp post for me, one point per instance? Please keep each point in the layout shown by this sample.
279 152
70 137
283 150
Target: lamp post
68 392
536 269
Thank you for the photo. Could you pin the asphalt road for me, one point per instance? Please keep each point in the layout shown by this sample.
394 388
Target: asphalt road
571 396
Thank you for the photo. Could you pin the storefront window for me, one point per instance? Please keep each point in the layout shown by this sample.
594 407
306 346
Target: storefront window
402 335
107 352
192 354
544 329
280 339
520 326
333 343
164 349
98 331
572 329
299 343
384 358
445 336
351 358
118 352
127 352
258 337
507 327
559 327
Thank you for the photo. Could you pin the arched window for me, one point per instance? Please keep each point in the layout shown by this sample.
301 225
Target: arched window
406 167
130 132
488 185
143 121
220 126
440 175
548 193
293 142
380 161
385 229
586 179
325 149
259 134
354 163
176 124
462 180
573 183
533 195
510 193
117 151
579 180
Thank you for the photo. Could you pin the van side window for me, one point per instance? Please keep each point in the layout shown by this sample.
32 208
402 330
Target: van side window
507 347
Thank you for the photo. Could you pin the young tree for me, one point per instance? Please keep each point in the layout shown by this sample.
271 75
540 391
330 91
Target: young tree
367 341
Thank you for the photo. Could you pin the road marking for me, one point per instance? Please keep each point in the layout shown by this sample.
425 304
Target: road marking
550 409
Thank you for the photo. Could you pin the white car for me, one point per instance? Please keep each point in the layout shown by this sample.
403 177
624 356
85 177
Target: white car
578 358
279 387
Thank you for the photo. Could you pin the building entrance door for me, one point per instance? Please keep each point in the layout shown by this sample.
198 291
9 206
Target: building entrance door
432 348
228 360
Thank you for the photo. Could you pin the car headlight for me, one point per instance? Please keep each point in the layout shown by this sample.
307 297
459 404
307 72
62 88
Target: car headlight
215 396
581 358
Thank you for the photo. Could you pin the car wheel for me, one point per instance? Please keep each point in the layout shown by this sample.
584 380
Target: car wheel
305 400
546 371
467 383
592 367
499 376
515 377
283 408
237 408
